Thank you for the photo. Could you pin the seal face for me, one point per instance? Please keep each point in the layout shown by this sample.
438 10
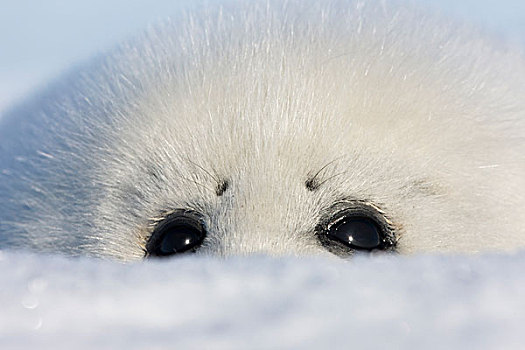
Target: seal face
295 127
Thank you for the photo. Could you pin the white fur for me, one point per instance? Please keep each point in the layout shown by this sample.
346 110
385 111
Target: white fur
414 115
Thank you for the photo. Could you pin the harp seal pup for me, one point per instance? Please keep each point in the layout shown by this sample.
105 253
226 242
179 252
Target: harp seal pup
297 127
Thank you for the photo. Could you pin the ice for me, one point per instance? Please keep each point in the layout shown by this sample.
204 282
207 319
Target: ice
259 302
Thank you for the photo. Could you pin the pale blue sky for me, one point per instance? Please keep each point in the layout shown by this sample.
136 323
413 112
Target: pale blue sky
39 39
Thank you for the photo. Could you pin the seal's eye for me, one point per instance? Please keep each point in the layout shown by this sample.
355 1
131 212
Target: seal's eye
356 229
180 232
356 232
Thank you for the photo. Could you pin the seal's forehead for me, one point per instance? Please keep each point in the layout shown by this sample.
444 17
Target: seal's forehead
340 176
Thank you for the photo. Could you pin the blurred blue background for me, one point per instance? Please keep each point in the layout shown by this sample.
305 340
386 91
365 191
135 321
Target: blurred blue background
39 39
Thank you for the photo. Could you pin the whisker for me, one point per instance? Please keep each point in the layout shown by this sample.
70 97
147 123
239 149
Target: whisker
214 177
330 178
314 177
198 183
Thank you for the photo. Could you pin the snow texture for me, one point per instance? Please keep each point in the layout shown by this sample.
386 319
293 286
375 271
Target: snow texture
387 302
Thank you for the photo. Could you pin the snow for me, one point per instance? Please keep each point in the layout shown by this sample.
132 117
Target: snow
258 302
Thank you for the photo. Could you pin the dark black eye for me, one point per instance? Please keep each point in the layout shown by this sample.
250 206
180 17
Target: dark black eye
356 232
180 232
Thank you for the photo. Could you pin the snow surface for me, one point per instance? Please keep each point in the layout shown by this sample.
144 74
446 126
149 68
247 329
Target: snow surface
195 302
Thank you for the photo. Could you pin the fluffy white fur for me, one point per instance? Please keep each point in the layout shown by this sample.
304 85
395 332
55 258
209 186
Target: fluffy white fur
411 114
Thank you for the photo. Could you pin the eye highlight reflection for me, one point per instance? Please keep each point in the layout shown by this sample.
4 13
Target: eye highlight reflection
357 232
180 232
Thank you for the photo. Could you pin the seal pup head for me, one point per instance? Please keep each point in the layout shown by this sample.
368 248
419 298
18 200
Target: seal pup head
280 128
